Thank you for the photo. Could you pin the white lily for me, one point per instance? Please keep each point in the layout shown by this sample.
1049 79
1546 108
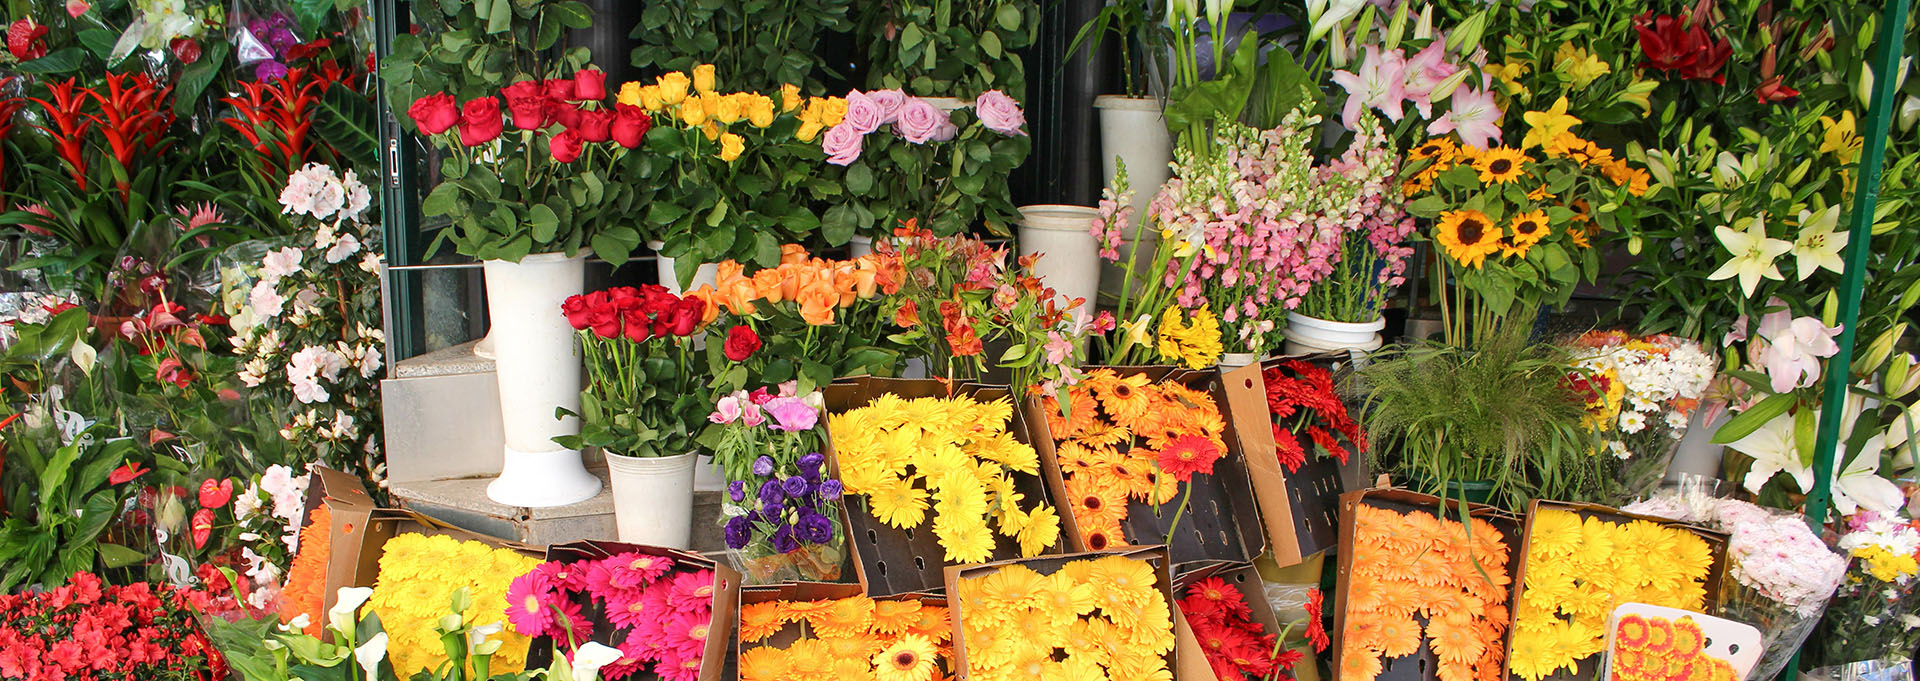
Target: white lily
1909 113
84 356
1818 245
370 654
1860 485
588 660
1774 452
345 605
1217 11
1333 13
1753 254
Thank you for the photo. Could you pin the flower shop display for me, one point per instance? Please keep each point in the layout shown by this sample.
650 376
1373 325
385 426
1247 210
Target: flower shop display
1650 642
782 513
915 457
657 609
809 320
1311 436
1090 615
642 403
1446 611
1872 624
359 647
1581 561
1640 392
1230 625
816 630
90 629
896 157
416 574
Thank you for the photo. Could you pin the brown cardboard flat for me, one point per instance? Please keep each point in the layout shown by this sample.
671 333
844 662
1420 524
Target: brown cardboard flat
1589 667
891 561
1046 565
726 602
348 504
1220 520
1296 509
1243 578
1422 665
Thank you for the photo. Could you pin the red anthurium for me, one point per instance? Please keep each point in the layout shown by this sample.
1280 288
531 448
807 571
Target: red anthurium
23 39
202 527
172 371
215 494
127 473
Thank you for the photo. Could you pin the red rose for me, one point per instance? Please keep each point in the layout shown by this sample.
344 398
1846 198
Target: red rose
686 316
434 113
558 89
624 298
202 527
742 342
589 85
480 121
630 125
215 494
567 115
528 103
638 328
576 311
565 146
594 125
655 300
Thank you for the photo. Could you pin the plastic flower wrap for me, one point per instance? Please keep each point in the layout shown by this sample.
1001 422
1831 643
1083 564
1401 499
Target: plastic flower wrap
1652 648
1422 581
1876 613
1094 618
659 612
783 509
898 453
1640 394
418 575
846 638
1579 568
1236 646
1129 438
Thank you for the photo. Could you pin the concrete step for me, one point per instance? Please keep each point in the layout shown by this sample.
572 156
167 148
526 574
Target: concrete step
463 503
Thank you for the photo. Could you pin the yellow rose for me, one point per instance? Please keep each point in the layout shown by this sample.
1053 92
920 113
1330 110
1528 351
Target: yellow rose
759 109
790 97
730 146
712 130
693 111
808 130
726 108
629 94
833 110
703 78
673 88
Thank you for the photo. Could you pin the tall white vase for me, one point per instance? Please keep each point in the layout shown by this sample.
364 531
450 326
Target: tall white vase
1071 260
538 371
1133 129
707 273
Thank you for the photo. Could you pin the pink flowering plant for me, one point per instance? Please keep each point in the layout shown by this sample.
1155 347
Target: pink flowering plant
896 157
654 611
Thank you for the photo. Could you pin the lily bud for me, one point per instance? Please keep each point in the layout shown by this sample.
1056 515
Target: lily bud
1337 48
1423 29
1446 86
1909 113
1901 378
1909 297
1365 26
1799 172
1396 27
1868 363
1217 13
1467 33
1830 315
1633 245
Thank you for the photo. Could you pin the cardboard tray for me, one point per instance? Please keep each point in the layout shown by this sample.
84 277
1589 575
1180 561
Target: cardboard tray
809 591
1716 572
1423 664
726 599
1243 578
1220 521
890 561
1046 565
1297 509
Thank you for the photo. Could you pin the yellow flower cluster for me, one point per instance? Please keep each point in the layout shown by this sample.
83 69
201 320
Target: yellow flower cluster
1093 619
820 113
1578 569
1886 565
418 575
898 453
1195 343
693 102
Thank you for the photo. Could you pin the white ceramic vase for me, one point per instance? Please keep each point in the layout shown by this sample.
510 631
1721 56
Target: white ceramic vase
653 499
707 273
1697 454
538 371
1307 335
1133 130
1071 256
859 246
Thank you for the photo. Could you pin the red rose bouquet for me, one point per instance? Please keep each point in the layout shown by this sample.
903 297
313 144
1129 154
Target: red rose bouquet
89 630
645 394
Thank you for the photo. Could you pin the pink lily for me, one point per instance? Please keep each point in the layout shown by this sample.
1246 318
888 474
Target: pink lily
1794 348
1380 84
1425 70
1474 115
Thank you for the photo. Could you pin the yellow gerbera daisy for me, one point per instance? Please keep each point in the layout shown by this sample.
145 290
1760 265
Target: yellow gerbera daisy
899 504
909 659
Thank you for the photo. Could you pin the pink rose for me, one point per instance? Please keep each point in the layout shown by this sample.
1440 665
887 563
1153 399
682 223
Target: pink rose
890 102
863 114
842 143
920 121
947 129
998 112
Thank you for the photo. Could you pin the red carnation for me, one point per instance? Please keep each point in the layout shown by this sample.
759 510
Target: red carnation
480 121
594 126
565 146
528 103
630 125
589 85
434 114
742 342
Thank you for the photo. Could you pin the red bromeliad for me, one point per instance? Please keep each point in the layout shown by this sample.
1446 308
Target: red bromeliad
70 125
136 112
276 116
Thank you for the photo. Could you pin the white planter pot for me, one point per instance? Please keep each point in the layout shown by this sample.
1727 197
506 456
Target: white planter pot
1071 264
1309 335
860 246
653 499
707 274
1135 130
538 371
1234 360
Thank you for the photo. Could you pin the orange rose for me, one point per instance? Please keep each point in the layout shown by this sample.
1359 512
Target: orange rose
817 302
866 279
793 254
768 283
796 278
727 271
708 295
738 295
847 284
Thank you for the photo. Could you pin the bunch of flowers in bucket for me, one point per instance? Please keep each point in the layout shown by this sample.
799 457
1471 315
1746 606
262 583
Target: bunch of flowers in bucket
847 638
907 158
1301 398
782 513
1125 438
644 394
1640 394
86 629
1876 614
809 319
896 453
660 613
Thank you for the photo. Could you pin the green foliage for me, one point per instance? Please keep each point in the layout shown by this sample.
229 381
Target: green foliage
758 45
706 209
949 48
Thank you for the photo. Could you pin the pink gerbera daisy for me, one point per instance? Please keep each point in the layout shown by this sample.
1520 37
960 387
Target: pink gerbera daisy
570 617
527 600
634 570
645 644
632 608
687 632
691 590
565 576
683 669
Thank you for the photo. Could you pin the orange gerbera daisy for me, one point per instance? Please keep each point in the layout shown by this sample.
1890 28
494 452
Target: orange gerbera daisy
893 617
1399 636
1125 398
760 620
1456 640
843 617
933 623
1358 664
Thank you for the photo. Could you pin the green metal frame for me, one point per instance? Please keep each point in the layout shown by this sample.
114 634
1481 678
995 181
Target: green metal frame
399 206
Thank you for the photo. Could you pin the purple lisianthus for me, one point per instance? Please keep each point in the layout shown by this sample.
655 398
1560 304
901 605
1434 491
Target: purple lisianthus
792 414
831 490
738 532
784 541
1000 113
771 494
814 528
795 487
842 143
763 466
737 490
810 463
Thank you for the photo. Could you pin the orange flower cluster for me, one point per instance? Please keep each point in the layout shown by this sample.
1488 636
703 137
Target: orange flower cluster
846 638
817 286
1130 438
306 590
1654 648
1418 578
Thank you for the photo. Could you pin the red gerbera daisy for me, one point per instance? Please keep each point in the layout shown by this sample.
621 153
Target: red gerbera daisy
1188 454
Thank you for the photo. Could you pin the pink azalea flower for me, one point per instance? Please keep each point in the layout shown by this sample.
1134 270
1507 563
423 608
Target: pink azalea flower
1379 84
1474 116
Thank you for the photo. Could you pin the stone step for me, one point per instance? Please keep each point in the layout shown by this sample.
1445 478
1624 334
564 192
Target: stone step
463 503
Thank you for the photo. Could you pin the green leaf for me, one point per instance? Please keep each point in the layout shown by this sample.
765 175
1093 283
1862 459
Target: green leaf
197 76
100 41
1010 17
1746 422
499 16
990 44
345 120
64 60
311 13
441 200
573 14
859 178
545 223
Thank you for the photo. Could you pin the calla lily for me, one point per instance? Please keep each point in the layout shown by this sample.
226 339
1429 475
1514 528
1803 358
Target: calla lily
1753 254
371 653
1217 12
1794 348
1818 245
345 605
1774 452
588 660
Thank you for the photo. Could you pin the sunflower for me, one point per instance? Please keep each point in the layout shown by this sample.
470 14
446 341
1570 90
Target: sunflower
909 659
1441 149
1529 228
1468 236
899 504
1539 193
1578 235
1501 165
